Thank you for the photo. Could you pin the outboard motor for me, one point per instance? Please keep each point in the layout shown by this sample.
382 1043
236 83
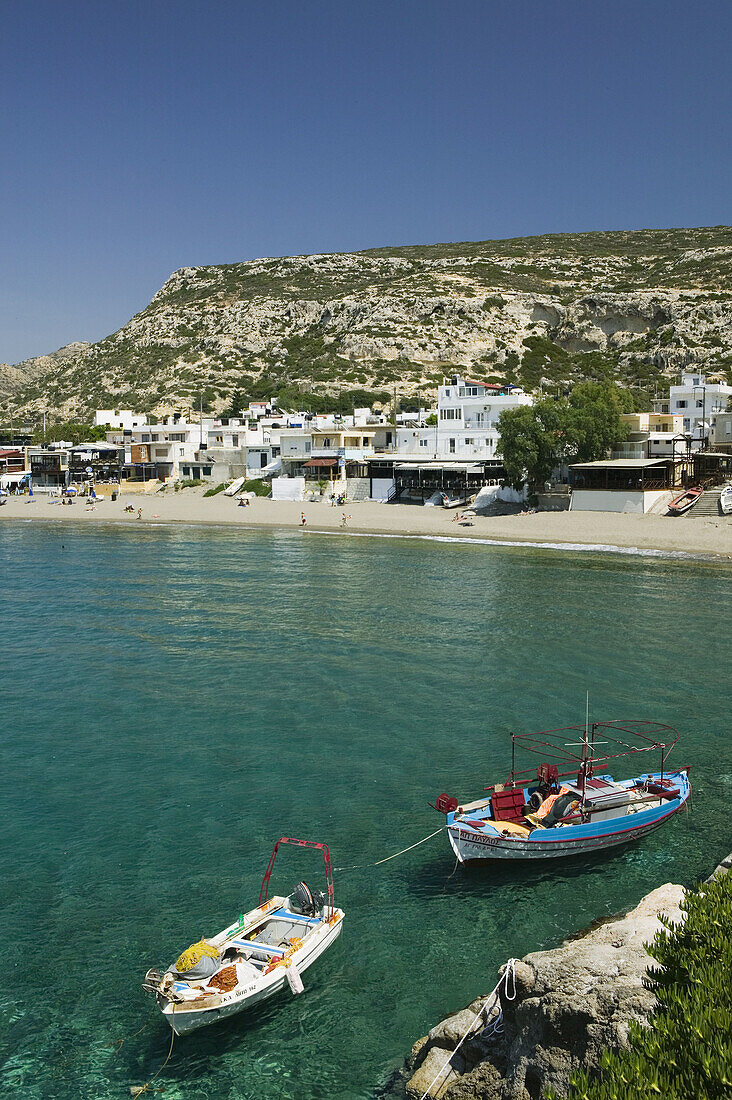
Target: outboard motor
306 901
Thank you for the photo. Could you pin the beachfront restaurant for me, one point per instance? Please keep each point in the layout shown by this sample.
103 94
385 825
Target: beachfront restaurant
416 480
96 462
621 484
49 467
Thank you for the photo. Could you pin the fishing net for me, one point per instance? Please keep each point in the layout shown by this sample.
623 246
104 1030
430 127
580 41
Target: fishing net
200 960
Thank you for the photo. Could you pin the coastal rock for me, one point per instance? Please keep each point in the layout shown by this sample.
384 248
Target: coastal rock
571 1004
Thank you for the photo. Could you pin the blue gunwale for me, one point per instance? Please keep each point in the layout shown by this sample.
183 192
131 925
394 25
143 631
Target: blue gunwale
569 834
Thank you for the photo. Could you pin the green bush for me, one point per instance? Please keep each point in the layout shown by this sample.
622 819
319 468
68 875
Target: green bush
256 485
190 482
215 489
686 1051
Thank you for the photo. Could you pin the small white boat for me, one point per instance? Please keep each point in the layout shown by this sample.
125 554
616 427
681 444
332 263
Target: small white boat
233 489
263 951
725 500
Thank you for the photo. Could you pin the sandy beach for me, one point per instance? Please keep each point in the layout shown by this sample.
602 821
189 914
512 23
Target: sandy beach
705 536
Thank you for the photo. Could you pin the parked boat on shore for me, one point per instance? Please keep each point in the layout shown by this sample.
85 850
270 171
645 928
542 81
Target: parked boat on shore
684 501
253 958
553 813
725 500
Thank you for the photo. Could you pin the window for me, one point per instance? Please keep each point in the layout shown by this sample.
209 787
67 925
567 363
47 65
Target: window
468 442
308 447
424 442
326 441
452 446
681 404
449 414
235 440
186 471
365 441
206 471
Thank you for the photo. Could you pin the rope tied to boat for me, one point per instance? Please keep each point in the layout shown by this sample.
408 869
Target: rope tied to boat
492 1028
360 866
144 1088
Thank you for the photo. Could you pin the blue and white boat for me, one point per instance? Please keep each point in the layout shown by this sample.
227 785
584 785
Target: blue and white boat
258 955
550 813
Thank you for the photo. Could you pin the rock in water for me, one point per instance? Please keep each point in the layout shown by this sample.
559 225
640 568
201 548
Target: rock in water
572 1004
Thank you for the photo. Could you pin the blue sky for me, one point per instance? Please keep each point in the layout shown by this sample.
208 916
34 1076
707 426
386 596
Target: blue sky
141 137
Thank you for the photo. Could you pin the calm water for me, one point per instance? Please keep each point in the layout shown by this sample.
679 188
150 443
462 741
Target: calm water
172 702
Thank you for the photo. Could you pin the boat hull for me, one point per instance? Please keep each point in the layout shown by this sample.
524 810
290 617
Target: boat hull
470 844
187 1017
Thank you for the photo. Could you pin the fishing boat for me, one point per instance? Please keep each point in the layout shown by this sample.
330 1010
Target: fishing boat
548 813
684 501
252 959
725 500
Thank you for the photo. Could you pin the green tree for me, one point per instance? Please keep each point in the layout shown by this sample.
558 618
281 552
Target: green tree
534 439
70 430
594 418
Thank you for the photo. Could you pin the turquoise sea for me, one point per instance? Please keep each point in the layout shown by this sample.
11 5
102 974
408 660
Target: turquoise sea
174 700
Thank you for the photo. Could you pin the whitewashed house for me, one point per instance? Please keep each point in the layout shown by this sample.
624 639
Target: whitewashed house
698 401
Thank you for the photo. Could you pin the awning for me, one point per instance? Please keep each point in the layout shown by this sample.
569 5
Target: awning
311 462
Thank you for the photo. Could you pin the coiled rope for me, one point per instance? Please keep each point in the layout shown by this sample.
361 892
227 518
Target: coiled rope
494 1027
360 866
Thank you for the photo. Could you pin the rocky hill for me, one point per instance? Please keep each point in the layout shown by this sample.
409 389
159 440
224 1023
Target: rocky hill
543 311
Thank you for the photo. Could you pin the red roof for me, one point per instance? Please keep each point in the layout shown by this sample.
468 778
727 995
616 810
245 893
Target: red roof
485 385
11 454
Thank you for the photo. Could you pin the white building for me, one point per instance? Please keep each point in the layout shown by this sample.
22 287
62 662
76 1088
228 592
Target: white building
698 401
165 449
722 434
124 419
467 421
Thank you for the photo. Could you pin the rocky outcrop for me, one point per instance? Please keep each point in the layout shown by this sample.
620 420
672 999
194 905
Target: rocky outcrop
570 1005
528 310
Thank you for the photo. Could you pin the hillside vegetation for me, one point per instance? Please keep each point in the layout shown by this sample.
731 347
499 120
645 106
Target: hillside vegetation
546 312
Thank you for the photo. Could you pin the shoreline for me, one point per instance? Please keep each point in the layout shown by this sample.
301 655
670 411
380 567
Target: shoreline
708 538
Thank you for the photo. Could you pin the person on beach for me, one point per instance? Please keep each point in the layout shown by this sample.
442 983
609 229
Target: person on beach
139 513
303 521
344 520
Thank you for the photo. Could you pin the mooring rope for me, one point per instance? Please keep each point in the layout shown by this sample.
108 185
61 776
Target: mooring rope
359 866
494 1027
145 1087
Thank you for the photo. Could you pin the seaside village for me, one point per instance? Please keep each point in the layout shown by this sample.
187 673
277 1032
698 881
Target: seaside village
679 450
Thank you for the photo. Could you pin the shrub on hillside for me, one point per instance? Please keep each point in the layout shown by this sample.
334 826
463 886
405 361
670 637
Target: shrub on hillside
686 1051
215 489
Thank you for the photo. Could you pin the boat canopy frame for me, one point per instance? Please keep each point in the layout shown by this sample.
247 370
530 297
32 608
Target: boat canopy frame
264 889
650 736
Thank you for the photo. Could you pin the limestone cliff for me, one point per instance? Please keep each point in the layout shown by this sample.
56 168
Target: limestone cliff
543 311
